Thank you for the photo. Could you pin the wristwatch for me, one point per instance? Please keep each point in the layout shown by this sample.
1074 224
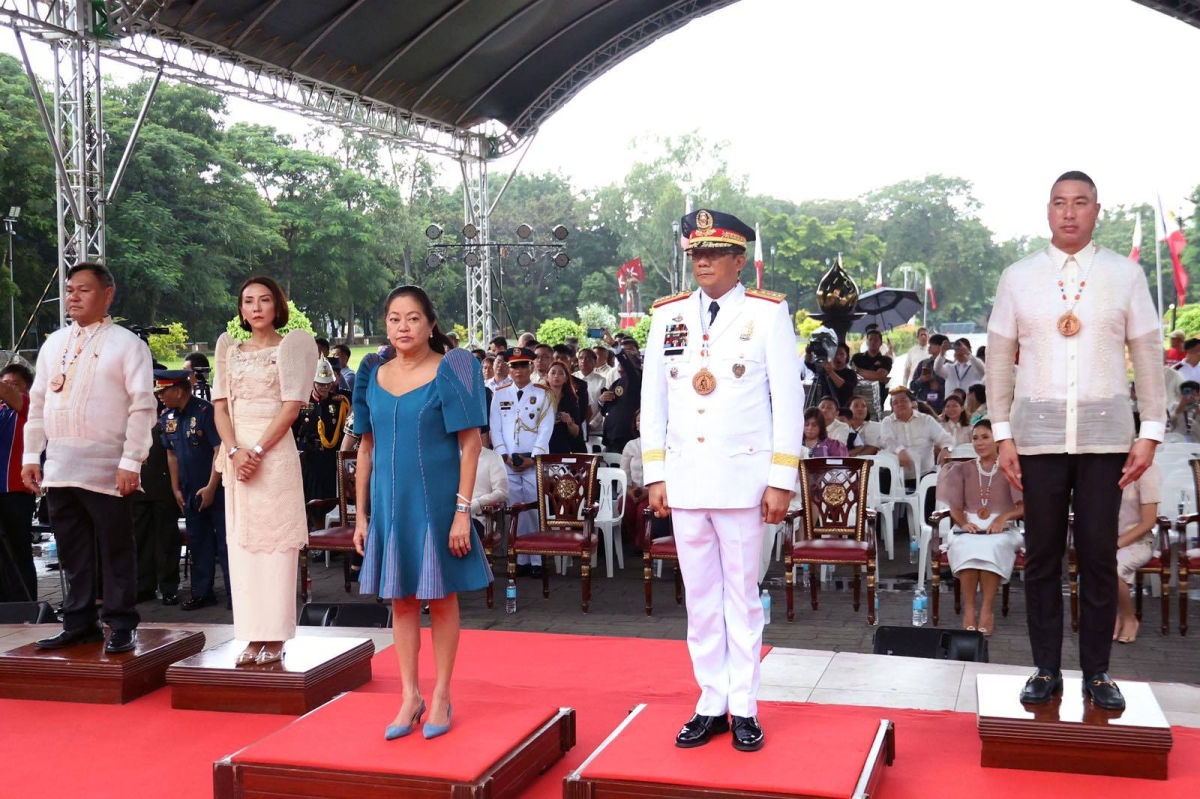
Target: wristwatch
257 449
233 451
460 508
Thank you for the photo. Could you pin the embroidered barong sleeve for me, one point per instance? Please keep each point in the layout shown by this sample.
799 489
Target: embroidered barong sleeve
1002 358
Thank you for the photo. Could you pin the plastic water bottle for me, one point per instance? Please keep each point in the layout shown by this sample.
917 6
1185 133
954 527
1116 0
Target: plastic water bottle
51 550
805 577
308 589
876 622
919 608
924 608
913 550
510 596
766 603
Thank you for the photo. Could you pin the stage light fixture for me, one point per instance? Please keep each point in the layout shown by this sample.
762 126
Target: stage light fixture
471 259
469 231
433 260
433 232
14 212
524 232
560 232
561 260
524 259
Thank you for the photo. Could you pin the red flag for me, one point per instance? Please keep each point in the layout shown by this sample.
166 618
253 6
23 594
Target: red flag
632 269
1175 244
1136 249
758 262
929 291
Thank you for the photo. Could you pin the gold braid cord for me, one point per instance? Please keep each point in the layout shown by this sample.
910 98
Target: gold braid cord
331 443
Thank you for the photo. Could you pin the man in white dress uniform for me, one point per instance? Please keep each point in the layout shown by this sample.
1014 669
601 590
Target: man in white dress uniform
721 436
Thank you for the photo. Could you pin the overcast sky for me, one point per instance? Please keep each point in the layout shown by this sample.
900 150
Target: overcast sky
831 99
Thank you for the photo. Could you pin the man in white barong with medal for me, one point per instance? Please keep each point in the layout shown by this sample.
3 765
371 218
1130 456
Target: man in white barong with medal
1065 424
721 431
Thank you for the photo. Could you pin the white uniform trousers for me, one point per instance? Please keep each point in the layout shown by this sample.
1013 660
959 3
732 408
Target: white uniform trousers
719 553
522 487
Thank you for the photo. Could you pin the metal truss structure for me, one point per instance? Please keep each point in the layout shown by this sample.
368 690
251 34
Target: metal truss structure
477 211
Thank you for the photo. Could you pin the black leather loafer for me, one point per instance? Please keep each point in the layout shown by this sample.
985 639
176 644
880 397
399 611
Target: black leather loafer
84 635
700 729
1042 687
1103 692
747 734
170 599
535 571
197 602
121 641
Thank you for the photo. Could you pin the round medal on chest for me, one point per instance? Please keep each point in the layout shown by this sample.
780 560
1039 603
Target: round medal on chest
1068 324
704 382
984 513
57 383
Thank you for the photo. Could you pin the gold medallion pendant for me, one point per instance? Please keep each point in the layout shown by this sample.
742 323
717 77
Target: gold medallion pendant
984 513
57 383
1068 324
704 382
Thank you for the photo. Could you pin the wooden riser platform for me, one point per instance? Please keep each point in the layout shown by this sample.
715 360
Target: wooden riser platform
313 671
85 673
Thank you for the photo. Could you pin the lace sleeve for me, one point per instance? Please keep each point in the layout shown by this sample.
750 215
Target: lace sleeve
220 373
297 365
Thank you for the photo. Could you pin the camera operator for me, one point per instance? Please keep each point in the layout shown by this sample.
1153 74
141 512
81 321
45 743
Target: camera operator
833 378
197 364
1181 415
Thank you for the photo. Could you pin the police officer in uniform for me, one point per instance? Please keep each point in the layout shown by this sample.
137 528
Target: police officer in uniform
620 402
319 429
156 527
522 419
190 437
721 435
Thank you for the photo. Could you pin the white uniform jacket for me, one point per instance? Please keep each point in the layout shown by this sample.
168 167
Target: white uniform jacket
723 449
522 425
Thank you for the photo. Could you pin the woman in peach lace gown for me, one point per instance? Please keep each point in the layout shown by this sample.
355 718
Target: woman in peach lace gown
257 390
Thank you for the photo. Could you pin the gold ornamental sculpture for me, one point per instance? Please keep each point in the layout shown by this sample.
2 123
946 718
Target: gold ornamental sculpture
837 292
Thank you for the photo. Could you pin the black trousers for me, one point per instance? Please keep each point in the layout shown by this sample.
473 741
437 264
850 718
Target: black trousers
206 540
156 533
95 539
1054 485
18 580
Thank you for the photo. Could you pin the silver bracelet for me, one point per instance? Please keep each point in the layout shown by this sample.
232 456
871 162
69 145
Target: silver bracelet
464 499
460 508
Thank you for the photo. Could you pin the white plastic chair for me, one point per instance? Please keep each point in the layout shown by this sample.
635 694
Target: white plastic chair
928 483
611 459
613 486
886 504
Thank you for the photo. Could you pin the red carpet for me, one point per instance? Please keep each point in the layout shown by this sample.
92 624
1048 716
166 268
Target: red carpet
351 727
147 749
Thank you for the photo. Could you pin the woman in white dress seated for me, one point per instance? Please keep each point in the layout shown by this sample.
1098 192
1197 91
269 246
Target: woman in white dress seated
984 547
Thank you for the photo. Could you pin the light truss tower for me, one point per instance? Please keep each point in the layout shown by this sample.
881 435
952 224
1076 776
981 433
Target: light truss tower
477 212
78 137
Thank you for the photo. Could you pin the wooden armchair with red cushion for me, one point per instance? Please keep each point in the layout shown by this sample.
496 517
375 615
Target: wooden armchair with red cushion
836 525
567 504
658 549
1189 560
340 537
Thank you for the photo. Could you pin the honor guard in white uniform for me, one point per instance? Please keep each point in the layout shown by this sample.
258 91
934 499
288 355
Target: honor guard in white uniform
721 430
521 420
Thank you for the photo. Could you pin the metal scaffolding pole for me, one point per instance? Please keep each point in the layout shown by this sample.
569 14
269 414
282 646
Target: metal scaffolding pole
477 212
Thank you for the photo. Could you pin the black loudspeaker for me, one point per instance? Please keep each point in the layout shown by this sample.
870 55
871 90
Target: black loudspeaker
26 613
931 643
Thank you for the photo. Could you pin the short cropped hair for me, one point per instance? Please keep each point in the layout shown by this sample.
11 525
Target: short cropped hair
20 370
281 305
101 272
937 339
196 360
1082 177
1190 343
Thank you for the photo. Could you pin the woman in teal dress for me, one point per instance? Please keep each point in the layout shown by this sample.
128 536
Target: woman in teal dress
416 414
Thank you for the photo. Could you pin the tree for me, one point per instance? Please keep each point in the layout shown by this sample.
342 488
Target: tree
557 330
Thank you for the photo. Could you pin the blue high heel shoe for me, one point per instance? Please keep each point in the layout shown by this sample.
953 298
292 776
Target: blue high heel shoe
395 731
434 730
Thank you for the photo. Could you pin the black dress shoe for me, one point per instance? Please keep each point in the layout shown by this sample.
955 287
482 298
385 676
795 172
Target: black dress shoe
145 596
170 599
535 571
83 635
700 729
1104 692
1041 687
197 602
121 641
522 569
747 734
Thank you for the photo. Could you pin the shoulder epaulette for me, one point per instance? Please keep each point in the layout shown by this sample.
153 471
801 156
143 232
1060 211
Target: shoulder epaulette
672 298
763 294
542 386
